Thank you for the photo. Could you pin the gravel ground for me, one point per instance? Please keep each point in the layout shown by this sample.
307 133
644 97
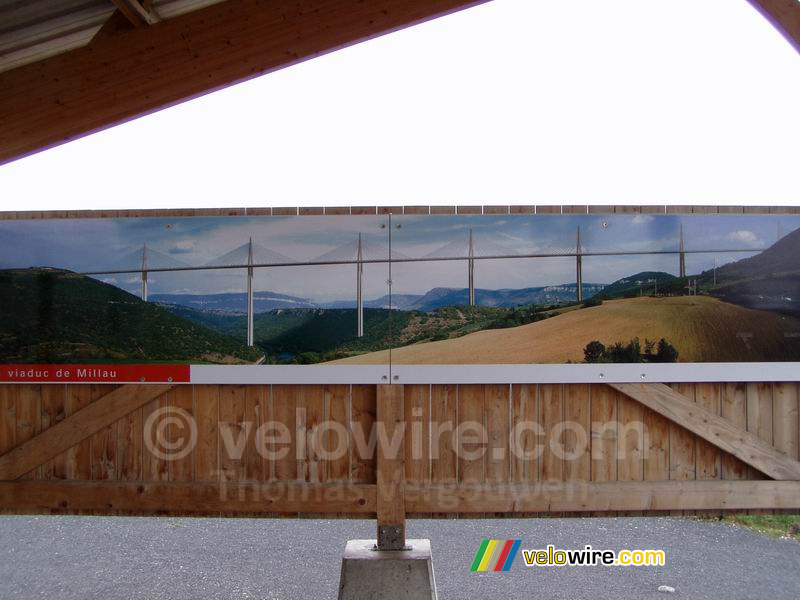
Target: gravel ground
154 558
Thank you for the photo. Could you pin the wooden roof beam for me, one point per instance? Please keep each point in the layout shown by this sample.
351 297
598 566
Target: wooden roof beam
124 76
784 16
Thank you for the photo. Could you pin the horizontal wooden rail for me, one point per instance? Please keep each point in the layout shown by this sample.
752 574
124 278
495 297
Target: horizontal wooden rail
190 497
360 499
577 496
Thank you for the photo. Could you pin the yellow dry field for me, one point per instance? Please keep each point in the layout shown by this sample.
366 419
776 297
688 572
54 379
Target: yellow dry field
703 329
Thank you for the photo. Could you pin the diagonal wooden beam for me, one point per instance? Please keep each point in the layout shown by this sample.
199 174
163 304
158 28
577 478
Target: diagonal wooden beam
79 92
76 428
716 430
784 16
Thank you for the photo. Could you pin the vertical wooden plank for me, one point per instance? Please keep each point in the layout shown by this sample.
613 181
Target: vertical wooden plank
525 409
104 445
577 407
284 405
759 421
785 419
255 409
154 419
471 442
552 413
630 466
232 441
129 440
786 427
28 401
130 446
8 419
631 418
8 424
759 410
709 457
310 415
206 452
337 409
444 419
656 463
734 408
182 469
417 403
682 446
525 412
604 435
682 443
390 411
78 458
54 406
471 402
364 407
497 414
253 414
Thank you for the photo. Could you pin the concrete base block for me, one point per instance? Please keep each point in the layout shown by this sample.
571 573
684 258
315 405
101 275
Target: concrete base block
369 574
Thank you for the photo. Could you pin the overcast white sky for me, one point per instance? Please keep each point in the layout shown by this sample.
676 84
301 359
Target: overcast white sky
515 101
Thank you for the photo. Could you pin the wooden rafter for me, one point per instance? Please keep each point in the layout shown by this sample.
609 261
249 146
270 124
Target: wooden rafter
139 15
716 430
70 95
76 428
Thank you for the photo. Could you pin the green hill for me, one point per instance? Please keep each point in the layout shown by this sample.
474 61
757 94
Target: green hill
316 335
645 283
769 280
49 315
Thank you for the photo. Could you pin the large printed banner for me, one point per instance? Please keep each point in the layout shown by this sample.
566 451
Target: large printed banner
489 298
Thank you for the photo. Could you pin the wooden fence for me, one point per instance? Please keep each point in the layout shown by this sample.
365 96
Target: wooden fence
648 449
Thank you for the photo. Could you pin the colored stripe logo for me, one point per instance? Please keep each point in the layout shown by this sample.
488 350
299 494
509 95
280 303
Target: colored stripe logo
495 555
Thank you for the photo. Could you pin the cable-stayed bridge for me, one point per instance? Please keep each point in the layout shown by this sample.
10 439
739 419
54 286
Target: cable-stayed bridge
358 252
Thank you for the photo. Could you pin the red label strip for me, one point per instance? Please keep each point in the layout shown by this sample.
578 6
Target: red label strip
95 373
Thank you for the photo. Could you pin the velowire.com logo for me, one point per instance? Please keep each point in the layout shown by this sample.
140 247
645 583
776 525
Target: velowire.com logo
495 555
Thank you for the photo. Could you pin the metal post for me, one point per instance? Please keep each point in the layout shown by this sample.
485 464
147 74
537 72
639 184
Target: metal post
144 273
579 258
471 269
250 328
682 265
360 289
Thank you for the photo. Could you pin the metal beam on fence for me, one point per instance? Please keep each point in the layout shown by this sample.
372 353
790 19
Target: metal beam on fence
250 328
360 289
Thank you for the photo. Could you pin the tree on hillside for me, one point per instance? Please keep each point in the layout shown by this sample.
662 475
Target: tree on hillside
594 352
666 353
630 352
